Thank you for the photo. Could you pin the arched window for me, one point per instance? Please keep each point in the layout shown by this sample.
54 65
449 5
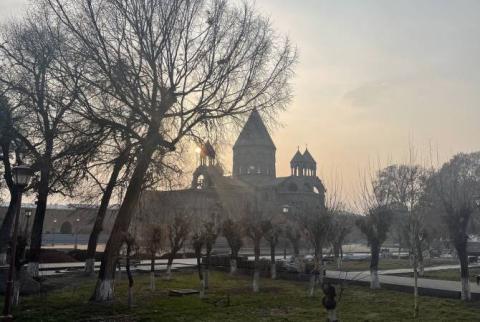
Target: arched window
66 228
200 182
315 190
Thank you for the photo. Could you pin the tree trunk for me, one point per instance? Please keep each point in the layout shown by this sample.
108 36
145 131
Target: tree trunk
233 266
130 279
37 228
102 211
6 229
464 273
416 308
7 224
273 266
375 253
169 268
152 273
105 283
256 269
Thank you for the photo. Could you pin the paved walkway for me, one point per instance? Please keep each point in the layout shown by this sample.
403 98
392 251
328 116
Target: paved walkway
433 287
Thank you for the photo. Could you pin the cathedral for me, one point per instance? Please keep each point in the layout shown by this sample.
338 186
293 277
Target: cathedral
215 196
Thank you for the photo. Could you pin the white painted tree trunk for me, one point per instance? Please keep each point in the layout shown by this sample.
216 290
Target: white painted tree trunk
339 262
33 269
375 282
3 258
89 266
206 275
130 297
273 271
466 295
332 315
169 272
119 272
16 293
104 292
311 288
233 266
202 288
421 268
152 281
256 281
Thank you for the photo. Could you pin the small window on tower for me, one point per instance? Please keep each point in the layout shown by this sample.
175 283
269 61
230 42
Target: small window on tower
251 169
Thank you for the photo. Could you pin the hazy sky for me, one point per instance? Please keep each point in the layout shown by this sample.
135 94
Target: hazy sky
373 76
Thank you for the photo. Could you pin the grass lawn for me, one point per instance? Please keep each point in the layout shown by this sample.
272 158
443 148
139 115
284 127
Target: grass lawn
448 274
277 301
387 263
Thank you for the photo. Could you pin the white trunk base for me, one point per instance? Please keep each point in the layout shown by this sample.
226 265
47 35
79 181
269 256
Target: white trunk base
421 269
104 291
3 258
233 266
152 281
466 296
169 272
339 262
332 316
33 269
375 282
202 289
256 281
90 266
206 275
273 271
16 293
311 288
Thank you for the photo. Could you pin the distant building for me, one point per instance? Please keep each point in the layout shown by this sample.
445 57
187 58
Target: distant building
65 219
214 195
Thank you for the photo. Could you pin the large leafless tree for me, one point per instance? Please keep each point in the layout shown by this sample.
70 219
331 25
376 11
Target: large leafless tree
176 67
42 79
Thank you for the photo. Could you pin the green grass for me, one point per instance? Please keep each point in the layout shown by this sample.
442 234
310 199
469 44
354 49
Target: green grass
386 263
278 301
448 274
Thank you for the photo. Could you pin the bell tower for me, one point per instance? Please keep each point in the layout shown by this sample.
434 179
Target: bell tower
254 151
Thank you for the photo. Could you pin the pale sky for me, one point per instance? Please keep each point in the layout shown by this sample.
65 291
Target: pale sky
373 77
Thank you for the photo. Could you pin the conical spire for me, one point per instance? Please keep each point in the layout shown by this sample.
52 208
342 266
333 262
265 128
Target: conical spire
308 157
254 133
297 158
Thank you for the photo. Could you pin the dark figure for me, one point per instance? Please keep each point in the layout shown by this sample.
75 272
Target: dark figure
329 302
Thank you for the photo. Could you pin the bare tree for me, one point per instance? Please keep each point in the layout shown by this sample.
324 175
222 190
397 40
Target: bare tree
233 232
272 236
375 221
33 69
404 186
153 241
454 192
177 234
178 67
197 245
7 144
209 234
256 223
316 223
340 227
120 160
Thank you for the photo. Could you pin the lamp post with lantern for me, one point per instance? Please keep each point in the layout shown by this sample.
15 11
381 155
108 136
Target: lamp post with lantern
76 233
21 176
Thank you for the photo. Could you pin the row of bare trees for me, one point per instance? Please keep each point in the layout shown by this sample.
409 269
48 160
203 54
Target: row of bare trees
422 204
106 90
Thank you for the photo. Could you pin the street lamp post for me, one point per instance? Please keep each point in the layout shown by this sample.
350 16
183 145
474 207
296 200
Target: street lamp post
21 176
54 231
76 233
